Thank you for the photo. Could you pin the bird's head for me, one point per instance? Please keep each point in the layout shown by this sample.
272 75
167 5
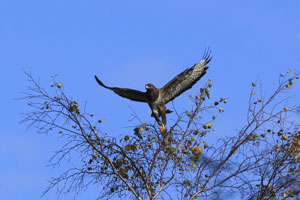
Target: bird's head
150 86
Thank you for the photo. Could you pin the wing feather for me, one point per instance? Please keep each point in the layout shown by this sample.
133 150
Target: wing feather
131 94
185 80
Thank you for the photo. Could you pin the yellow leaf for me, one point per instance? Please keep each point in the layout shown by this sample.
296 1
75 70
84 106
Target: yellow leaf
288 71
288 86
166 142
59 85
209 125
199 149
286 109
253 92
207 92
128 147
284 137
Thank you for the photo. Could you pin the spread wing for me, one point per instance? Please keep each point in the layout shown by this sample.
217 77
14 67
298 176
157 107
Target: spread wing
134 95
185 80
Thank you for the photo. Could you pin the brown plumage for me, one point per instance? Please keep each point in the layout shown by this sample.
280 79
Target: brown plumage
158 98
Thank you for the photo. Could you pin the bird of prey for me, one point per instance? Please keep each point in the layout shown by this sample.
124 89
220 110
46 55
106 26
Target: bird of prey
158 98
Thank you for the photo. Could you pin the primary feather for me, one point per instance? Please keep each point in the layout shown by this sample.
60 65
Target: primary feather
131 94
185 80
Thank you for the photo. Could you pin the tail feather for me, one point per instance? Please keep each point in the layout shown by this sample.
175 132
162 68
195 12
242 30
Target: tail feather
168 111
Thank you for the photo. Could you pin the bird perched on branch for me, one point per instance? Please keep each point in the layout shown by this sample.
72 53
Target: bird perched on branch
158 98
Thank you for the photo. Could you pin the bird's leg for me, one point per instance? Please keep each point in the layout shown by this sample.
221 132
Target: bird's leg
161 126
164 120
156 116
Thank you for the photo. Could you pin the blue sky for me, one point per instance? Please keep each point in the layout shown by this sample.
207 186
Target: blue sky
125 43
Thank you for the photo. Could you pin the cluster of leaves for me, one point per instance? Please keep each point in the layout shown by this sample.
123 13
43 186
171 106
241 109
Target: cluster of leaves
269 142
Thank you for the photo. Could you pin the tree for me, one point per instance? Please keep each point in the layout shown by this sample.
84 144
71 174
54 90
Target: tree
260 161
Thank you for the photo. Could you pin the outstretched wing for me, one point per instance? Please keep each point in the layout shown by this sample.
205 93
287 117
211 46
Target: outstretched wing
134 95
185 80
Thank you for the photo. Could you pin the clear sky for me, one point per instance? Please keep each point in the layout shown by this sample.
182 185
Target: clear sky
131 43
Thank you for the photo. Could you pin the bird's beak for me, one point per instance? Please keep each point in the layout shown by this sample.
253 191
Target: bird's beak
147 87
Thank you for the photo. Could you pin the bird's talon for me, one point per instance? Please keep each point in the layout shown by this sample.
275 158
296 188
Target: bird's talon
162 128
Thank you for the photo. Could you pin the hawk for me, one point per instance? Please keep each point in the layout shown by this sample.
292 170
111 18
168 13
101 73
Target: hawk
158 98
